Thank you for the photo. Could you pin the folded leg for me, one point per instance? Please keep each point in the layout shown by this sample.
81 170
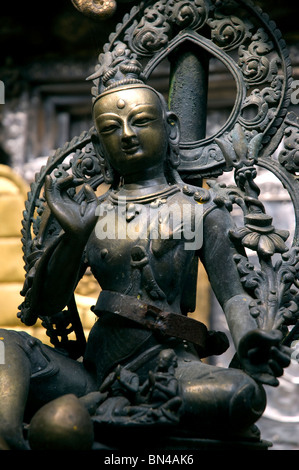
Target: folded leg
34 374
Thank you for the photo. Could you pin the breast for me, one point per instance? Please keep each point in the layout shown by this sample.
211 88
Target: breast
126 256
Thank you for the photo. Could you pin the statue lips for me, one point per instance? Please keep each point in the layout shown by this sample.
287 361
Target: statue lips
130 149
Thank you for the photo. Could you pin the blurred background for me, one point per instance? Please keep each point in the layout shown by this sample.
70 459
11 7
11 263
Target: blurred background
46 54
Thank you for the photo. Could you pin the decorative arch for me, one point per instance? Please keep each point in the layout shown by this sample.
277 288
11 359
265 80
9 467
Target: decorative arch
248 43
237 33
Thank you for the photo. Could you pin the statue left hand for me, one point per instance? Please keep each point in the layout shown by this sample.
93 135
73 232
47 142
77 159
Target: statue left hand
263 357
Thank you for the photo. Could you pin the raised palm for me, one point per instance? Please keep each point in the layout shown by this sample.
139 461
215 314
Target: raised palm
76 219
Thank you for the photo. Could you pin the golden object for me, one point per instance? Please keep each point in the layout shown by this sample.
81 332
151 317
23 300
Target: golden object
97 9
13 193
62 424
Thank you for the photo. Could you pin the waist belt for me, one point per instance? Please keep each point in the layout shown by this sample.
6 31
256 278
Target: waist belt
153 318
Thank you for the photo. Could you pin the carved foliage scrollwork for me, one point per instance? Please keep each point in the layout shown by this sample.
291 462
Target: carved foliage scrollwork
85 165
260 65
259 61
275 290
162 20
254 62
273 286
260 106
186 14
152 32
228 32
243 36
289 155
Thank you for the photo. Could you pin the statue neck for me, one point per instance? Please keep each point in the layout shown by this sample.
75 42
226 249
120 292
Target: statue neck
148 183
143 188
143 192
151 179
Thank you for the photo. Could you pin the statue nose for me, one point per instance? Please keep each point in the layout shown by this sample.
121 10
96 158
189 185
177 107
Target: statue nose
128 131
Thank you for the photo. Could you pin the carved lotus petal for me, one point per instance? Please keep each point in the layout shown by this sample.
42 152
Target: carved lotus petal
240 233
279 244
240 142
251 240
284 234
265 245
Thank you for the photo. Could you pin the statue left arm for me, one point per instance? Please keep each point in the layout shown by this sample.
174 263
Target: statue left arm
217 255
260 353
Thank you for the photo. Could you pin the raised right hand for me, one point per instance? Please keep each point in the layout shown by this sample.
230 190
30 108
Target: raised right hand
77 220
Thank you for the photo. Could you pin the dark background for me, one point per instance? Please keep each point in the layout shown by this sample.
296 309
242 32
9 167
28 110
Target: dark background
35 30
49 49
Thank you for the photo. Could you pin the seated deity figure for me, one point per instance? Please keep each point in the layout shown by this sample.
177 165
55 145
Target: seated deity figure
140 240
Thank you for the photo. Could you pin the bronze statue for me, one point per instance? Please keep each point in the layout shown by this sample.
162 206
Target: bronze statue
142 366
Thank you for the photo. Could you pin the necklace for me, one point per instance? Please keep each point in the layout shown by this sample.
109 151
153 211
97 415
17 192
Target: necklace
127 197
131 201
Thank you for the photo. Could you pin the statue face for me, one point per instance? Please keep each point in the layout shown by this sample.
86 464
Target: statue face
132 129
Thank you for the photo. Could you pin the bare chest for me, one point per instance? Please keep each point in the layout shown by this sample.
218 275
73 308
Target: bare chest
140 249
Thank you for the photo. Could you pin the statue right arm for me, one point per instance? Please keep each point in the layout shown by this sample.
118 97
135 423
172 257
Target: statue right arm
57 271
58 279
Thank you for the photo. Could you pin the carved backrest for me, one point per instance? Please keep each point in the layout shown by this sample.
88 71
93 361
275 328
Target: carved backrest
187 33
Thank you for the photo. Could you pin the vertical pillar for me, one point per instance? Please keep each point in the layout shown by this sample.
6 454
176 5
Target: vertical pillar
189 91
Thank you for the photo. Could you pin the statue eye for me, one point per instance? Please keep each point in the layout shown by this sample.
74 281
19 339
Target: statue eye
142 121
109 128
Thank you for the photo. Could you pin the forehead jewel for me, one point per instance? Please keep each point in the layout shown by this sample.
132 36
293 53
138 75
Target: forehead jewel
121 104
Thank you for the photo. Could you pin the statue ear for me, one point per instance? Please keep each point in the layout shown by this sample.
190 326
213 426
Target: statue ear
173 128
106 168
174 138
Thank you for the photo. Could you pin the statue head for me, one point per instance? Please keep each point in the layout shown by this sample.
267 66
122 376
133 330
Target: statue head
135 131
166 359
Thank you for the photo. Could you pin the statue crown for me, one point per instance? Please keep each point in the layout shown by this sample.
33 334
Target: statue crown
115 69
